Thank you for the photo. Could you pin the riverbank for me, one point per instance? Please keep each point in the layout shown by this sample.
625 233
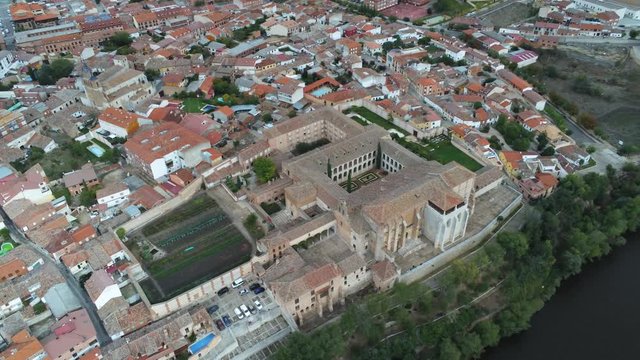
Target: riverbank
593 315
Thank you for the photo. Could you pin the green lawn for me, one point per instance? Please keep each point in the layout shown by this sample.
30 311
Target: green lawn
443 152
193 105
376 119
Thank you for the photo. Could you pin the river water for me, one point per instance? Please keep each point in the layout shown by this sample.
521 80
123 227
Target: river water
594 315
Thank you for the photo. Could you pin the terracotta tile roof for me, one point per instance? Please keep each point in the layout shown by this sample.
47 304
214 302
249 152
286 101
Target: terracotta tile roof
384 270
97 283
161 140
227 111
24 346
117 117
72 330
85 174
147 197
84 233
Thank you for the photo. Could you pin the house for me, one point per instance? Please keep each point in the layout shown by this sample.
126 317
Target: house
223 114
117 87
538 187
118 122
31 186
513 161
24 346
535 99
101 288
182 177
77 180
113 195
515 80
290 93
368 77
348 46
574 155
285 28
206 87
71 337
165 148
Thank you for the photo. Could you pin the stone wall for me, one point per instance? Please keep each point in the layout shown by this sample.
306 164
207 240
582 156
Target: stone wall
197 294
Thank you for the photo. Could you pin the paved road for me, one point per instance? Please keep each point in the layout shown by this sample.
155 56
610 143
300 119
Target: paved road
5 20
85 301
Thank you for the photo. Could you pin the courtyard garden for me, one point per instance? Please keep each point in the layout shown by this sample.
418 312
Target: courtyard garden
441 149
359 181
194 243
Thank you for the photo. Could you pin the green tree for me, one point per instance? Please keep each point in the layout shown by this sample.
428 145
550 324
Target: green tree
121 232
48 74
264 168
88 197
329 168
448 350
634 33
349 182
542 140
379 157
266 117
152 74
515 244
489 333
548 151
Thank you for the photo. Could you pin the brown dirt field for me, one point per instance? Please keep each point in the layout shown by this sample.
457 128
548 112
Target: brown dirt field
609 68
402 11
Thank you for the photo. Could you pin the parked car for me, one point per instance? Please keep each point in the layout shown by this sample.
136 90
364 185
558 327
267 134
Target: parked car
245 310
254 286
239 313
227 320
223 291
219 324
258 290
252 310
258 304
244 292
237 283
213 308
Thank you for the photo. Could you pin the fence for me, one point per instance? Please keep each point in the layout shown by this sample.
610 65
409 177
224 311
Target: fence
435 263
154 213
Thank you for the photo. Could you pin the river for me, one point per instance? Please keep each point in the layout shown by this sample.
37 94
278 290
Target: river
594 315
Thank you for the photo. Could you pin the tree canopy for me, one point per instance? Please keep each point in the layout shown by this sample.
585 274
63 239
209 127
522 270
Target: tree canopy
48 74
264 168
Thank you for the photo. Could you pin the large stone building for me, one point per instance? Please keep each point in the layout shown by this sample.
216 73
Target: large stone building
366 199
118 87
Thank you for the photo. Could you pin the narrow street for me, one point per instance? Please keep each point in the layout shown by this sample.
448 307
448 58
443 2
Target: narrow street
83 297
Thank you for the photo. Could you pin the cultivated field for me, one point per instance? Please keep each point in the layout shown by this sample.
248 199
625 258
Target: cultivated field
194 243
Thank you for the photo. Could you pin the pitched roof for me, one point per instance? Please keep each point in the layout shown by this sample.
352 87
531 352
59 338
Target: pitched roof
161 140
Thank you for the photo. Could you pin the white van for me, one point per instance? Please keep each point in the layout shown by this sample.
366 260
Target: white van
237 283
239 313
245 310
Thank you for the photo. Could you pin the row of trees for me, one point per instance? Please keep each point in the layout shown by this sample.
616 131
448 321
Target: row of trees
582 221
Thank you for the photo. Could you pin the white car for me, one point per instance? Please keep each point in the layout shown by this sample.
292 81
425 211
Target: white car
258 304
245 310
239 313
237 283
244 291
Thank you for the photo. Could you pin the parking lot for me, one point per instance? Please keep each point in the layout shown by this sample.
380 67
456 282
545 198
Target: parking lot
249 336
